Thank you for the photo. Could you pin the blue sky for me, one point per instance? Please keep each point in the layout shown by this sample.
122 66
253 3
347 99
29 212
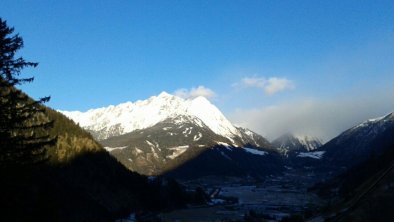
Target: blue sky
248 55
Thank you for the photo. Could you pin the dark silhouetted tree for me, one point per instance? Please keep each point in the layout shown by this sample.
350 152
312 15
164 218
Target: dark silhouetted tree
24 126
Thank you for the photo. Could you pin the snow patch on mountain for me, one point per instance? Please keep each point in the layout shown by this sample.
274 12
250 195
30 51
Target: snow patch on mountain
255 152
314 154
223 144
197 137
177 151
138 150
109 149
381 119
149 143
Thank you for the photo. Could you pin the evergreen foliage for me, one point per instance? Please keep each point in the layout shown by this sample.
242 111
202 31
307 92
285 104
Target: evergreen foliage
23 126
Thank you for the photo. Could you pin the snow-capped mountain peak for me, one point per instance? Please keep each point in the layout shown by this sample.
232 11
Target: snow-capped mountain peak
130 116
212 117
309 142
164 94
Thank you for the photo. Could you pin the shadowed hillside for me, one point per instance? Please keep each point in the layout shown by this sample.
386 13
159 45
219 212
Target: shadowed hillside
80 181
364 192
224 161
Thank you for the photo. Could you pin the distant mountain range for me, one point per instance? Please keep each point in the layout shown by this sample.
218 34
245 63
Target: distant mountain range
290 143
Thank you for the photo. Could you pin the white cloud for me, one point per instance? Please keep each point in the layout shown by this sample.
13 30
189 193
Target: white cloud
325 119
270 86
257 82
275 85
195 92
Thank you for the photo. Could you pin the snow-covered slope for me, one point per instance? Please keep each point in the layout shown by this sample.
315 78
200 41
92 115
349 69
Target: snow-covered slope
368 129
127 117
201 108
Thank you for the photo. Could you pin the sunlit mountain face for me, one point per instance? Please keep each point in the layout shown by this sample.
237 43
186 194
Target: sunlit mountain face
163 133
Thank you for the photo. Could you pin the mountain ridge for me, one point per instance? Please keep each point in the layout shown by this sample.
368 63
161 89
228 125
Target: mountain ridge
164 132
360 142
291 143
110 121
126 117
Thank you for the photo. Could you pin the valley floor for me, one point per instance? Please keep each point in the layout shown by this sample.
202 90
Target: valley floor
274 198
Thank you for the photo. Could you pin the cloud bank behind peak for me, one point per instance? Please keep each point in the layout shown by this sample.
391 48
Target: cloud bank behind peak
321 118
